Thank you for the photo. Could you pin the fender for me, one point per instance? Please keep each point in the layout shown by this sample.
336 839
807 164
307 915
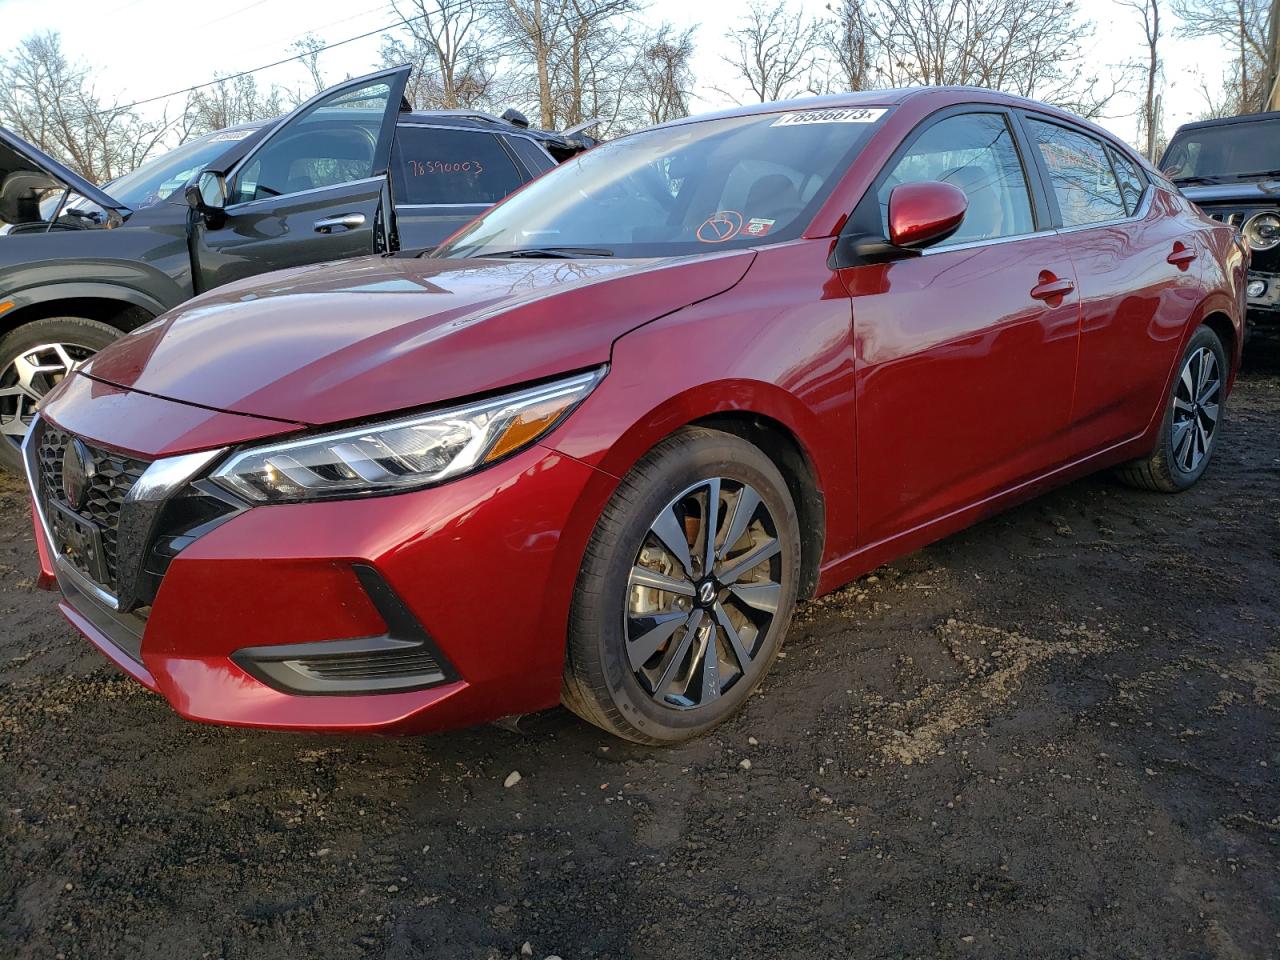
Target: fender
86 290
1216 301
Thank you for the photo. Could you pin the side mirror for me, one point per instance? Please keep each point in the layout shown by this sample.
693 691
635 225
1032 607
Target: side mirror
925 213
208 197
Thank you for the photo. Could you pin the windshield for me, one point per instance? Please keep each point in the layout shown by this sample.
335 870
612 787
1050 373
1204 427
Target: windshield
713 184
158 179
1233 151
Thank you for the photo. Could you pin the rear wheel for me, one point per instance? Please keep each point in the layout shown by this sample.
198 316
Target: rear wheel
685 592
34 358
1192 419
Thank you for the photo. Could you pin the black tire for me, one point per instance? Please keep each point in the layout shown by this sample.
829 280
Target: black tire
600 683
84 336
1166 469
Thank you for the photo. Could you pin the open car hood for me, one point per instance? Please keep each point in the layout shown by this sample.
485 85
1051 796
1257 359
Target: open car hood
344 341
43 163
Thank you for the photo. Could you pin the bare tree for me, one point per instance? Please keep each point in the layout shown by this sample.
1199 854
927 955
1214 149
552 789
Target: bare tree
535 30
775 49
1148 120
1030 47
1243 25
849 42
595 71
450 43
666 75
227 103
308 51
48 100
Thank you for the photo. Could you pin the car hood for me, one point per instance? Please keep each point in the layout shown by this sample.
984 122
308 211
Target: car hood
341 341
1245 191
37 159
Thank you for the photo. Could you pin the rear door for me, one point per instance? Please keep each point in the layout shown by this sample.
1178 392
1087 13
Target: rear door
443 177
966 354
1134 255
312 190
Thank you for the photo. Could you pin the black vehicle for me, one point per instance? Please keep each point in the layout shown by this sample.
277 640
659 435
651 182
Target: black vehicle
1230 168
352 172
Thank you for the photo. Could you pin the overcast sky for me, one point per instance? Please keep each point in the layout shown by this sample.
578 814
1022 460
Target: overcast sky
141 48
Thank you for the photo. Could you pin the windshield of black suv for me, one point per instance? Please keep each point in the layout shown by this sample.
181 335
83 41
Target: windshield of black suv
1233 151
692 187
159 179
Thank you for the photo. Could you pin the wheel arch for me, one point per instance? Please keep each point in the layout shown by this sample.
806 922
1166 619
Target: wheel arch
818 472
781 445
119 307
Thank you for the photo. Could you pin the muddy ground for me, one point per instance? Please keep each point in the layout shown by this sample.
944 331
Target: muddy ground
1054 735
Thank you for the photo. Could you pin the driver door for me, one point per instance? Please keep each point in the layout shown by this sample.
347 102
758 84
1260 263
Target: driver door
314 189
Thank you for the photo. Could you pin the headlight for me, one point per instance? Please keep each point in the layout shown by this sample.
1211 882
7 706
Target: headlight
405 453
1262 231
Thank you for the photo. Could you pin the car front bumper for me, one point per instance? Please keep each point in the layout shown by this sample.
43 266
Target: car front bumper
1263 304
480 570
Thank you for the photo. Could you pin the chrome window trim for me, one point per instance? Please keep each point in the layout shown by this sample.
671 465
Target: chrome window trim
987 242
1144 207
300 193
437 206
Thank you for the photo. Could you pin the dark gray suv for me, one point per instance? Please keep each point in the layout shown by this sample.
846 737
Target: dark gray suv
352 172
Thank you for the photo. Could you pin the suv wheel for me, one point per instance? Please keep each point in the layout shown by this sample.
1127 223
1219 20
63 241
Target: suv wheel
685 592
34 358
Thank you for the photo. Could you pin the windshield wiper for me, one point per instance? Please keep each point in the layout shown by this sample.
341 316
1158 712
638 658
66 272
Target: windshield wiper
554 253
1256 173
1197 179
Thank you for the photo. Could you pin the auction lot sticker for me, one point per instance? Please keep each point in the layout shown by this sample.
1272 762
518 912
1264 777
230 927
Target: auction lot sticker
841 115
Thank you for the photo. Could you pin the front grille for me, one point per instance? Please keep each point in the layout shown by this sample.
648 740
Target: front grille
1237 215
113 477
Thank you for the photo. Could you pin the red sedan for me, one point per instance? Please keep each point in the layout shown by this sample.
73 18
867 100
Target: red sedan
594 448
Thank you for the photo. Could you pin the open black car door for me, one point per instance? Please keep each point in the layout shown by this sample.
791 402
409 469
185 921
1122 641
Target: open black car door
314 189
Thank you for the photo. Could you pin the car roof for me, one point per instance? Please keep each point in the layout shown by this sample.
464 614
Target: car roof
471 119
937 97
1227 121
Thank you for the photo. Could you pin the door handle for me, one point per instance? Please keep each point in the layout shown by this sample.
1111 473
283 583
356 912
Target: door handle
1051 287
1182 255
348 221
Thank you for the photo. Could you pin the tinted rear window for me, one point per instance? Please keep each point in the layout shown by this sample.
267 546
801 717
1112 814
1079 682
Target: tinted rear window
434 166
531 155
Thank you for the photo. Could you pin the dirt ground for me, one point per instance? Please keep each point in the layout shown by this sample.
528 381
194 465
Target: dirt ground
1054 735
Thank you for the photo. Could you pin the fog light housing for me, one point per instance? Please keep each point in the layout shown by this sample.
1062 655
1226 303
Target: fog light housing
1255 289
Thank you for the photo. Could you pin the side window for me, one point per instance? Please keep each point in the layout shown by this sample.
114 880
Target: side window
1132 183
334 141
975 152
436 166
531 155
1080 173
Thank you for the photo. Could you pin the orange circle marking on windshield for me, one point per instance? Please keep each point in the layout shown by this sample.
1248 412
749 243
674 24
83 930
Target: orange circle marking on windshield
720 226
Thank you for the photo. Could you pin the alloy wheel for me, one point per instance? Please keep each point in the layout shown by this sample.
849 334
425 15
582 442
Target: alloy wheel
1195 409
26 380
703 591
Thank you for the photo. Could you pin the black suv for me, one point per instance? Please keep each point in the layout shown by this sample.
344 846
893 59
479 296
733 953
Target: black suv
352 172
1230 169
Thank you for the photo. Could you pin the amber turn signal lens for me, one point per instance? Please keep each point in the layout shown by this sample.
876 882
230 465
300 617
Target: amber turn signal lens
527 425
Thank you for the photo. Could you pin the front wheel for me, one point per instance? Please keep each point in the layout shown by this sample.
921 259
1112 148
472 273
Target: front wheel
685 592
1192 418
34 358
